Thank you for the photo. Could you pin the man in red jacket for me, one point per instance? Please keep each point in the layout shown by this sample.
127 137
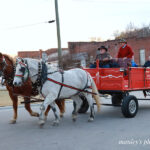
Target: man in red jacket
125 54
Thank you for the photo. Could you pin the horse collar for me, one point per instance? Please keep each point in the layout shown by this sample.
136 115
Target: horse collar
38 81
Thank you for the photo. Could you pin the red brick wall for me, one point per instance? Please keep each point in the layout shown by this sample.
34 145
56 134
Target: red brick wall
53 50
37 54
136 44
29 54
90 47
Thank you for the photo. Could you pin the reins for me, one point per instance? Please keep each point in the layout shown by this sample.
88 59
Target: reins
30 97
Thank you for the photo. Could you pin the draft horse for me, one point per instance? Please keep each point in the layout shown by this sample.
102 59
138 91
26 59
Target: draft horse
69 84
27 89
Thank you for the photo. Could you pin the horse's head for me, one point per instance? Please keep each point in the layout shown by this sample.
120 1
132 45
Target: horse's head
2 63
22 72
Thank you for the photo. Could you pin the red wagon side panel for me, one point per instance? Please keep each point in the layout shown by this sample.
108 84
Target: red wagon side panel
113 79
136 78
147 78
95 75
108 79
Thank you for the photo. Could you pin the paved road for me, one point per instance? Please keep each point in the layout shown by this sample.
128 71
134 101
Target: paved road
109 131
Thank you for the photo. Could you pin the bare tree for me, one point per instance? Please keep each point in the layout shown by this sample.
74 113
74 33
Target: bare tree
132 31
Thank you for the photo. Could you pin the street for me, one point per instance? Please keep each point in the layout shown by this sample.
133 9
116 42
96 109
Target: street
109 131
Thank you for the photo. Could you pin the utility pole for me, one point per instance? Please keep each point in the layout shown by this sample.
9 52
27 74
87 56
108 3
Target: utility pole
58 35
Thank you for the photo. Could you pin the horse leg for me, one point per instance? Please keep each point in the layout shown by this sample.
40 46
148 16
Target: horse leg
15 107
56 121
28 108
61 105
47 111
90 102
49 100
77 102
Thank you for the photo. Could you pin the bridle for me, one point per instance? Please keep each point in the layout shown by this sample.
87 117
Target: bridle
3 64
6 78
24 70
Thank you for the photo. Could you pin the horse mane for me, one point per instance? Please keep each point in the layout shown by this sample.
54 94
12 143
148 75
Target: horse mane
10 59
51 67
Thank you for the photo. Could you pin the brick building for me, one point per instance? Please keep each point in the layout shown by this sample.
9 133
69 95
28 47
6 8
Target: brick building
30 54
38 54
140 46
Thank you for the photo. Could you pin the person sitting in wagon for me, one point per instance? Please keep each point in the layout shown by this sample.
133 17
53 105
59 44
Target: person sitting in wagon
104 58
125 54
147 63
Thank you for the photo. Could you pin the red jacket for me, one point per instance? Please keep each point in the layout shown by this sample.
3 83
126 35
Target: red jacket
125 52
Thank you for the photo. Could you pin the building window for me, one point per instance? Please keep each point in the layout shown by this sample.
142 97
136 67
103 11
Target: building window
142 57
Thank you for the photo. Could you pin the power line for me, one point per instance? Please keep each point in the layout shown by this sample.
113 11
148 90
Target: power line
28 25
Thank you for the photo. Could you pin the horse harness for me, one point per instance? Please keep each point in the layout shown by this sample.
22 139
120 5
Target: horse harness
71 87
8 80
42 77
4 64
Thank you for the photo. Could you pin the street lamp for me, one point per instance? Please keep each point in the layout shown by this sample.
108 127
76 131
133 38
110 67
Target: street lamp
58 35
51 21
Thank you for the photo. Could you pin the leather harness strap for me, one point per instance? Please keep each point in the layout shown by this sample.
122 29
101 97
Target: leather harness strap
71 87
61 85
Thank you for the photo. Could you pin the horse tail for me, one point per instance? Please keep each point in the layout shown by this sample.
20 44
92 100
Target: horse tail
96 95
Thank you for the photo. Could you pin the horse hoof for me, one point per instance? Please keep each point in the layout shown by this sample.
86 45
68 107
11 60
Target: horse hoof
35 114
55 123
45 118
41 123
74 118
13 121
61 116
91 120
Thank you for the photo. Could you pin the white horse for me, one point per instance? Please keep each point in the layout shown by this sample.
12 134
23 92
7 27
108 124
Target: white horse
77 78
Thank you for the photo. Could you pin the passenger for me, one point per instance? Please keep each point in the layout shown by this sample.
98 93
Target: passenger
133 64
114 64
104 58
147 63
125 54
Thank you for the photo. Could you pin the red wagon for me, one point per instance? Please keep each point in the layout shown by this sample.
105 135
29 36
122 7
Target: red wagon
119 82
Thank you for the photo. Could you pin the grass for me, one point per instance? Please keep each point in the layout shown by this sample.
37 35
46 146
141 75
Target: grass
4 98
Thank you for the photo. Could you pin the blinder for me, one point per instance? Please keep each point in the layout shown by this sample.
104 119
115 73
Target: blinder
3 64
24 70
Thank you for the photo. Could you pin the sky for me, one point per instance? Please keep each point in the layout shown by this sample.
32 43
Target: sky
23 22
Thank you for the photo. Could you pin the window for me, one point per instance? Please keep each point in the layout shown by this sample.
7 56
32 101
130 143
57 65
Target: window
142 57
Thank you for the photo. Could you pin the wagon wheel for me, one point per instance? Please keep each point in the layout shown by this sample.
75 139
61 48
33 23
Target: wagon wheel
85 106
129 106
116 99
